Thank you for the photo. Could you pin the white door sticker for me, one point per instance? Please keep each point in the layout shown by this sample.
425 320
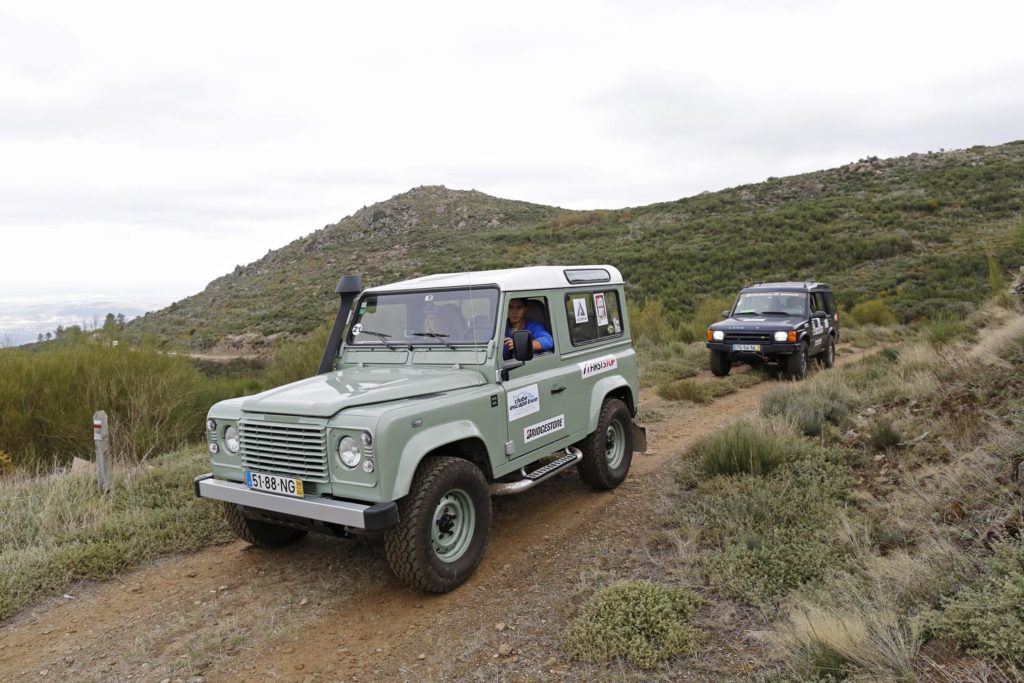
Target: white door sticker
596 366
555 424
523 402
580 307
600 310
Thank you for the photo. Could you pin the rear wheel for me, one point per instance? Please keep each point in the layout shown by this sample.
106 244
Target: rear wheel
608 451
796 364
260 534
720 363
443 526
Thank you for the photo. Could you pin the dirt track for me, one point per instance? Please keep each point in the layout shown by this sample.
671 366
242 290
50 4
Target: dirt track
328 609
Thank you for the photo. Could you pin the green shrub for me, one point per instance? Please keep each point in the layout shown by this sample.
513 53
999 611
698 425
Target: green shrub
987 617
748 446
883 435
873 312
761 567
297 359
638 621
811 406
685 390
651 320
944 330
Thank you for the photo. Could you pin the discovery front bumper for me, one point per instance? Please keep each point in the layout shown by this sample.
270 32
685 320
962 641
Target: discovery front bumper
376 517
762 351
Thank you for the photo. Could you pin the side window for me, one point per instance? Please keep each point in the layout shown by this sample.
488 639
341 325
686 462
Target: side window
532 314
830 303
817 302
593 315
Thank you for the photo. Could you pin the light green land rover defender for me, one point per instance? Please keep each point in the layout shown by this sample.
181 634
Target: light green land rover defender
429 406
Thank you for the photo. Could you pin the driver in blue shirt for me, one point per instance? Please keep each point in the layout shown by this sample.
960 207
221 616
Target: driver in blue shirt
517 320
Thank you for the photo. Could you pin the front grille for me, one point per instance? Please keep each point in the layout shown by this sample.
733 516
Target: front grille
748 337
290 450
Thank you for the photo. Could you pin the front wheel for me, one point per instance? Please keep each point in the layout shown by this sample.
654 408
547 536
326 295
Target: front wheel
260 534
720 363
443 524
796 364
608 451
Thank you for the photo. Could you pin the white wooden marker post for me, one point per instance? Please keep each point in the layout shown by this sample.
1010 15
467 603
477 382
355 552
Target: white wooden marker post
101 437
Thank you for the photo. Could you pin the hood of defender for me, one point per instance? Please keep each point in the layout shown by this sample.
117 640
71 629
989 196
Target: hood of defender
324 395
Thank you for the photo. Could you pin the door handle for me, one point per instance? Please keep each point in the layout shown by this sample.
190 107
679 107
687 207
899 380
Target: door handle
557 389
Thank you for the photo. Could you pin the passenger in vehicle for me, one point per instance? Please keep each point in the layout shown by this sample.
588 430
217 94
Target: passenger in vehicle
517 320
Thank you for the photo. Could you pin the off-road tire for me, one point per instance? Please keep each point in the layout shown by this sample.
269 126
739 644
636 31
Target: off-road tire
605 464
720 363
827 358
797 363
260 534
409 546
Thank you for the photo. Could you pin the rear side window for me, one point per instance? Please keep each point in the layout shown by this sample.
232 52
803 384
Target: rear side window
830 302
818 302
593 315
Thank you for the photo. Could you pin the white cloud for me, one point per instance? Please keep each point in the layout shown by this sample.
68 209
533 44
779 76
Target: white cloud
176 141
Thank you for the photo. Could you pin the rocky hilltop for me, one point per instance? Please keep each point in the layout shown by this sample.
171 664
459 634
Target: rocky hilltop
915 230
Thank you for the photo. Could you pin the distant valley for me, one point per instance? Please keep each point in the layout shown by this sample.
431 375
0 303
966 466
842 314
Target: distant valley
23 319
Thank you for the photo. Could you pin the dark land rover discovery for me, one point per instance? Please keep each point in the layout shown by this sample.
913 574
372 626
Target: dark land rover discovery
782 324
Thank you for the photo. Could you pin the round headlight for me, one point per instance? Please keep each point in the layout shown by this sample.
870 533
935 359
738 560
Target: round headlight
718 335
348 451
211 424
214 448
231 439
781 336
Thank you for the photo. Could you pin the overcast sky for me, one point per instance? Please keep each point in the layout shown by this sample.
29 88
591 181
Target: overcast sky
147 148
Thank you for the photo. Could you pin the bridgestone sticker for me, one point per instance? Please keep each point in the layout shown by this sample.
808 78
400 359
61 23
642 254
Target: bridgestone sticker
596 366
555 424
523 402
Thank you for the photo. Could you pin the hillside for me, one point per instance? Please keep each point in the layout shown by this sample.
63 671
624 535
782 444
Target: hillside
914 230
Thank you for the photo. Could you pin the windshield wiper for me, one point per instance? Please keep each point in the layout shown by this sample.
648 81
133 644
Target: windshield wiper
776 313
379 335
435 335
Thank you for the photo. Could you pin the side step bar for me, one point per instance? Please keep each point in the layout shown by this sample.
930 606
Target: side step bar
530 479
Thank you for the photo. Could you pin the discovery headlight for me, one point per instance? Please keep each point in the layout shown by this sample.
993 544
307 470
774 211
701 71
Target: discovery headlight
785 336
348 451
718 335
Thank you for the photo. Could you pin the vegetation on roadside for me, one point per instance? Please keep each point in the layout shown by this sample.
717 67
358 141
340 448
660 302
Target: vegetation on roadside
871 514
58 529
640 622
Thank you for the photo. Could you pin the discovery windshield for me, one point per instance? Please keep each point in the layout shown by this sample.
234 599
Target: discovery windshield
447 318
771 303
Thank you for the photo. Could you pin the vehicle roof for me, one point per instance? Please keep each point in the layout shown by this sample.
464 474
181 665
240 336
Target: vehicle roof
787 287
509 279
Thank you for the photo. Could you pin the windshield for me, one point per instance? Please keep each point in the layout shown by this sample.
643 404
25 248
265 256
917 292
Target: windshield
771 303
452 317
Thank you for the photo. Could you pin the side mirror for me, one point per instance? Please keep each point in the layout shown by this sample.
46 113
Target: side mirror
522 345
819 314
726 314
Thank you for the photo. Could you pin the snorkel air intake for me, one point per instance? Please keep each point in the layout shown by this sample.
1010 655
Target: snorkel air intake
348 287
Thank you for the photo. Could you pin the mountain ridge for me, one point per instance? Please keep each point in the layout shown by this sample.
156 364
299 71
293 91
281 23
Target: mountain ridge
873 227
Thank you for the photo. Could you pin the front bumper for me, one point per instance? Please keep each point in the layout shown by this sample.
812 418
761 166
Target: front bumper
356 515
774 349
